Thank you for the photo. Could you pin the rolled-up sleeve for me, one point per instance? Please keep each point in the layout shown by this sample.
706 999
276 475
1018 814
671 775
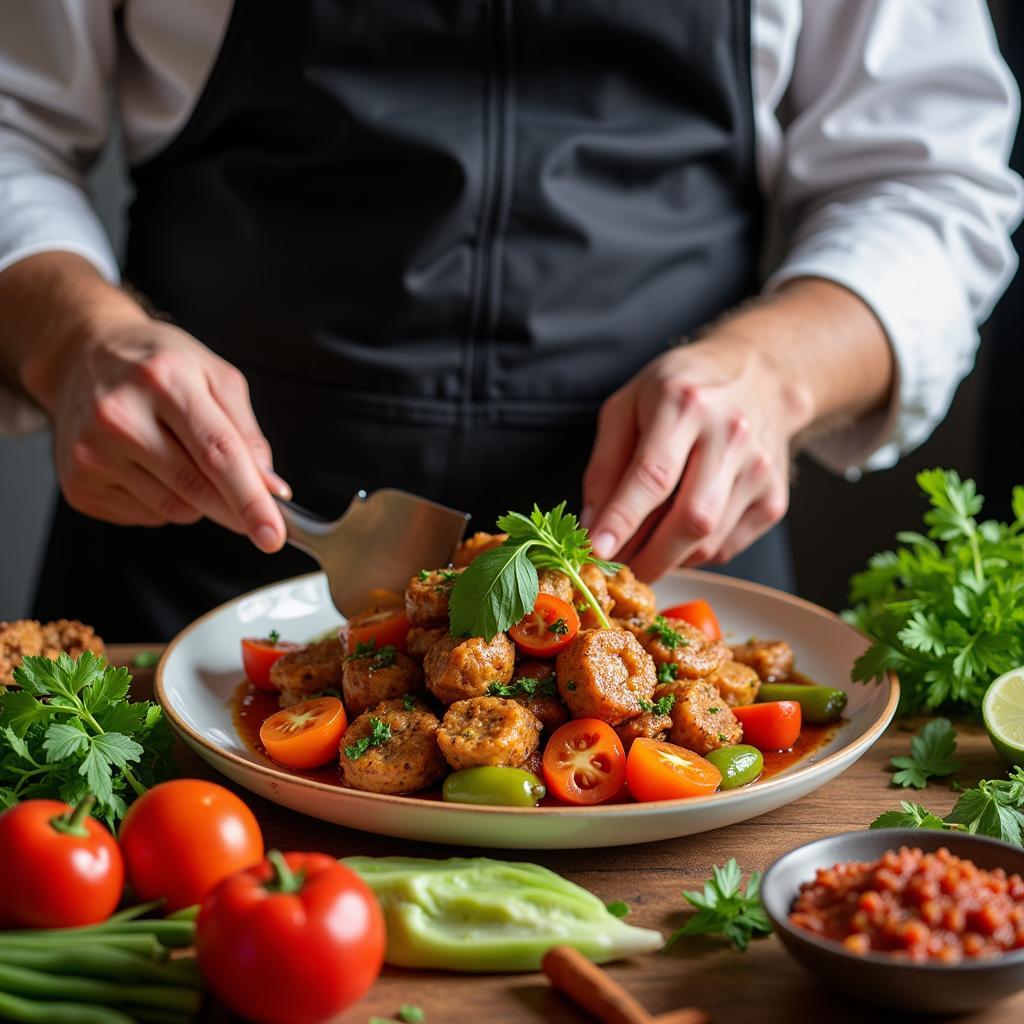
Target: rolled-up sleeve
56 59
893 182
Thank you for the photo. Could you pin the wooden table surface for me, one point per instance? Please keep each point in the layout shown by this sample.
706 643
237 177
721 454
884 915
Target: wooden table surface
762 985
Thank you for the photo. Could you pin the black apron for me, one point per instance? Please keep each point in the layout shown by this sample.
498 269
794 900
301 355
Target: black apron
434 236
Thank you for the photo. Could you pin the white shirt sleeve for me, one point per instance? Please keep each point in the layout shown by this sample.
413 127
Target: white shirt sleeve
893 182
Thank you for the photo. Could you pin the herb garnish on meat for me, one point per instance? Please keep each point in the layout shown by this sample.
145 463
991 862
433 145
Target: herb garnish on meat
380 733
662 706
669 638
527 686
500 586
380 657
667 672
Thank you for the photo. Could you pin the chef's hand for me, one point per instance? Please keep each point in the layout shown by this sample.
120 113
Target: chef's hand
150 427
691 460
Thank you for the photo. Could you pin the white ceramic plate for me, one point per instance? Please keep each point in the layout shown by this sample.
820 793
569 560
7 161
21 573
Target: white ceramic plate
201 669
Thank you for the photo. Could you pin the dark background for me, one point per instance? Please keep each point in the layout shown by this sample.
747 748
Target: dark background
835 525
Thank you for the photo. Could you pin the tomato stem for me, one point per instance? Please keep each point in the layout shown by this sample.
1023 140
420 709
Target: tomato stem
284 880
73 823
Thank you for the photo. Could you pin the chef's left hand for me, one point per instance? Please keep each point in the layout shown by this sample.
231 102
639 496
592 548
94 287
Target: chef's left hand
692 456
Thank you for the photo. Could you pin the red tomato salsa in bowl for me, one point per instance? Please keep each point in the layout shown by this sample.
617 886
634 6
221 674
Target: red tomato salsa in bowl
922 907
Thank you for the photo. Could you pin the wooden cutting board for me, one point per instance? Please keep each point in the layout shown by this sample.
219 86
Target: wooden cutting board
761 986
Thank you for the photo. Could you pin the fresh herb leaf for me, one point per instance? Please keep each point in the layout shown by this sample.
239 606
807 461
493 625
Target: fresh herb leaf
667 672
943 609
931 754
559 628
725 907
662 706
70 730
273 637
618 908
500 586
424 575
408 702
669 638
526 686
380 657
911 816
146 659
410 1014
380 733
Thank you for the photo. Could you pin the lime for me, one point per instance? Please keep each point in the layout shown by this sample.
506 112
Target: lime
1003 711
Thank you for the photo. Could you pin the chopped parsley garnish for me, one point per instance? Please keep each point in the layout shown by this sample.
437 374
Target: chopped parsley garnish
570 686
380 657
618 908
527 686
273 636
424 575
409 702
714 710
559 628
662 706
667 673
670 639
380 733
721 737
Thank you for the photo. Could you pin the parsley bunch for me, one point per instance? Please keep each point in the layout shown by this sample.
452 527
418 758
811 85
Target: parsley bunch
500 586
995 808
946 609
931 754
71 730
726 907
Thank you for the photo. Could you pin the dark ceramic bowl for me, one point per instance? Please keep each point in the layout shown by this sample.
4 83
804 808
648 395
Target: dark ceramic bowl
876 977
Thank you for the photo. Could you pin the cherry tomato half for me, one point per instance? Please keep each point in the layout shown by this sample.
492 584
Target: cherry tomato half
382 627
774 725
698 614
61 868
305 735
259 655
548 629
664 771
584 762
294 940
182 837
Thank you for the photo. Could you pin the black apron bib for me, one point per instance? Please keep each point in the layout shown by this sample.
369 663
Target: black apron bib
434 236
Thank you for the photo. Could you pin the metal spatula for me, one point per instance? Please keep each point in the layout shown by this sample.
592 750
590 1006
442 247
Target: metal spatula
383 539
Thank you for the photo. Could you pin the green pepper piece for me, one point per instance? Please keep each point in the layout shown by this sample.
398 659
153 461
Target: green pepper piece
481 915
819 705
740 764
505 787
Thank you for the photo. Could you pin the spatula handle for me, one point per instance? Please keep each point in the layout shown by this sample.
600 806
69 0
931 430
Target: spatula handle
305 529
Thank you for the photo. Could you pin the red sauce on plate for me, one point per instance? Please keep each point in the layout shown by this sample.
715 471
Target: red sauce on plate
249 708
916 906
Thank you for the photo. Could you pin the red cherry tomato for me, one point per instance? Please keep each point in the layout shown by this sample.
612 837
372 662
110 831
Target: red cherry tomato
548 629
305 735
382 627
294 940
698 614
259 655
182 837
663 771
773 725
59 868
584 762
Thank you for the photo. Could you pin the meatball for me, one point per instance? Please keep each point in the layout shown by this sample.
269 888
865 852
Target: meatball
701 720
597 584
737 683
540 693
476 545
770 659
426 598
420 639
457 667
649 725
675 642
367 679
631 598
555 583
407 758
488 731
312 669
534 763
605 673
636 625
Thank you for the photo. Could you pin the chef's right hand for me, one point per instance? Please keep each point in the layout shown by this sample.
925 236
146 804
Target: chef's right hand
151 427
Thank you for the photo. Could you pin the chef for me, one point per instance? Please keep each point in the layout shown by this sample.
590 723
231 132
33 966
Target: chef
628 254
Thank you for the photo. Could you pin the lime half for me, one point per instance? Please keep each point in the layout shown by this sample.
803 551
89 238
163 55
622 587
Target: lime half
1003 711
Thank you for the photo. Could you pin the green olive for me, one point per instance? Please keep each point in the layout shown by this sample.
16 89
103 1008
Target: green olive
506 787
739 765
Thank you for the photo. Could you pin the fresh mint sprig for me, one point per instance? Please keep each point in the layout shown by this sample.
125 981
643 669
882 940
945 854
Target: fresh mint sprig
500 586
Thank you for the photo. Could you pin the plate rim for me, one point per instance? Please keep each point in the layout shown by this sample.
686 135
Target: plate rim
858 746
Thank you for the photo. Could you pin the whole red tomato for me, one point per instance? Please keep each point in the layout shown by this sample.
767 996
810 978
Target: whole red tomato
59 868
181 838
294 940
